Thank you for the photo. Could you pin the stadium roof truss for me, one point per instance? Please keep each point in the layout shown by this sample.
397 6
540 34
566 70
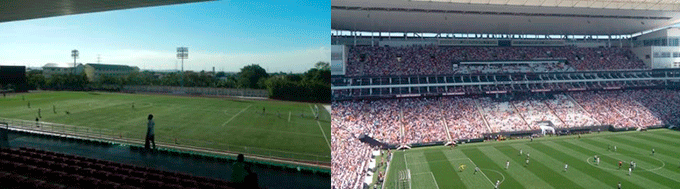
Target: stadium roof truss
30 9
558 17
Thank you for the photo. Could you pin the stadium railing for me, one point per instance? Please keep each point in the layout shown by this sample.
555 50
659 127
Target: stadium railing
108 135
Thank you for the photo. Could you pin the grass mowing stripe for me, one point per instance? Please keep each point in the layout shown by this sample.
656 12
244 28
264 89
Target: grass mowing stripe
442 168
659 139
579 164
660 147
640 146
485 162
646 174
605 158
659 178
538 168
668 134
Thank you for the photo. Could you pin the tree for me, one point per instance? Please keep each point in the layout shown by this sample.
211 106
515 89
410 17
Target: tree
220 74
322 66
36 79
250 75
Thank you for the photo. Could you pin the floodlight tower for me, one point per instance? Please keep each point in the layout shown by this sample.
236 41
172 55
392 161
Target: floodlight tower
74 54
182 53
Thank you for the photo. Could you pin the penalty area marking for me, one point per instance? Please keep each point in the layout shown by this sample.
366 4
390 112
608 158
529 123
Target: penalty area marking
435 180
318 123
239 113
496 172
487 178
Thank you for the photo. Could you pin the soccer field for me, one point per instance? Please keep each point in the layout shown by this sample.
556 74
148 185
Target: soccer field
219 123
438 167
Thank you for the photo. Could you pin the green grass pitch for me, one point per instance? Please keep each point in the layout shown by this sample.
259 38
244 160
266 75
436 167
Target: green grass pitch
219 123
438 167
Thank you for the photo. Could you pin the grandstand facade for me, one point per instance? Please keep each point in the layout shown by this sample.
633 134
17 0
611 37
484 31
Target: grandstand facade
443 72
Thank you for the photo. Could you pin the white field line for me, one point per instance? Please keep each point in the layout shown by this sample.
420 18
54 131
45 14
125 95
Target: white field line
435 180
322 132
405 161
288 116
487 178
239 113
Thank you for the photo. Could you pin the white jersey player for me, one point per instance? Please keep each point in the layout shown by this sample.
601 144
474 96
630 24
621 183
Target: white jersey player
507 164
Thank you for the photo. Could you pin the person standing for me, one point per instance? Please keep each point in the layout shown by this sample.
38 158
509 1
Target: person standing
498 182
566 166
652 151
619 185
239 171
150 133
507 164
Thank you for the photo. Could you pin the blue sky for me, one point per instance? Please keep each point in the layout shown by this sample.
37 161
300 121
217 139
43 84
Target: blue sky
278 35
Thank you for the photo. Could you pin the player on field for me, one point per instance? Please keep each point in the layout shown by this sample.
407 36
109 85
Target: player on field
54 108
507 164
133 105
620 163
527 163
262 110
476 170
566 166
609 147
614 148
652 151
631 164
461 167
619 185
29 104
598 161
630 169
520 152
527 155
498 182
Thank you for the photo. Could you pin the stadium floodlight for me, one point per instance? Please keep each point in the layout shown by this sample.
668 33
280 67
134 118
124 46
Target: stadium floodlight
74 54
182 53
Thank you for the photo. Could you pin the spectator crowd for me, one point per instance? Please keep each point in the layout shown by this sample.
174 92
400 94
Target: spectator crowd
435 60
427 119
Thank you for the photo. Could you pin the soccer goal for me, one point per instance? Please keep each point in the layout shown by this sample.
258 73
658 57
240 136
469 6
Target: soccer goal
404 181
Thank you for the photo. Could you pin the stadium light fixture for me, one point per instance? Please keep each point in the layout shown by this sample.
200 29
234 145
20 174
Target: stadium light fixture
74 54
182 53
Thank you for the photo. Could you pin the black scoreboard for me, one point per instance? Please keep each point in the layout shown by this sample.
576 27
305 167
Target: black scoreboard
14 75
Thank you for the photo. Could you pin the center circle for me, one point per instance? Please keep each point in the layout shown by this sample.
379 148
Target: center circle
614 156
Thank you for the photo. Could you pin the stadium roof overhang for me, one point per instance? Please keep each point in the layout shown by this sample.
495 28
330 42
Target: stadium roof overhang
559 17
30 9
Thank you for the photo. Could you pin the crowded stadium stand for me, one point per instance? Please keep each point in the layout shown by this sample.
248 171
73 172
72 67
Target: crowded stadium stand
420 73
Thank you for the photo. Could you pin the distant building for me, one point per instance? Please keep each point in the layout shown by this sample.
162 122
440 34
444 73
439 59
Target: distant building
51 69
95 71
92 71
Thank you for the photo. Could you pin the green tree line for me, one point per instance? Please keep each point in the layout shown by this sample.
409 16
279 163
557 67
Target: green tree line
313 85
